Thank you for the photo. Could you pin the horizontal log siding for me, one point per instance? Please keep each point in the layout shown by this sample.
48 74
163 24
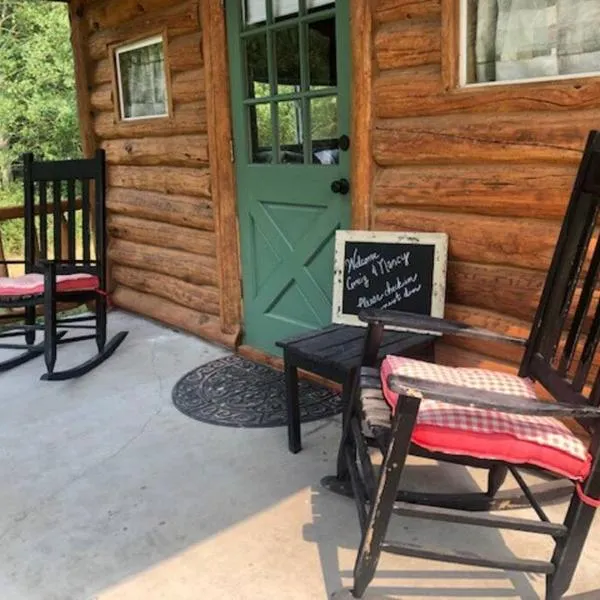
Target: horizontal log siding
492 167
161 222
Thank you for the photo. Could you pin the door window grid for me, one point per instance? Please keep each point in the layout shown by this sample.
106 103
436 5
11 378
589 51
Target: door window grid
288 99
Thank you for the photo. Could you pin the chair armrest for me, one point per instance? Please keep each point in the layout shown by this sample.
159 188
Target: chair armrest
453 394
414 321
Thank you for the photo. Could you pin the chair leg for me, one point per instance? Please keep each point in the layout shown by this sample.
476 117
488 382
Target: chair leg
496 477
382 505
100 322
30 323
50 338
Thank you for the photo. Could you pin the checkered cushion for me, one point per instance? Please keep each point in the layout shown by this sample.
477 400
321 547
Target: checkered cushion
32 284
461 430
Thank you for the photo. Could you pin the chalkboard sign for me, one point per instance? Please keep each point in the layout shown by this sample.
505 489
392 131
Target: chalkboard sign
398 271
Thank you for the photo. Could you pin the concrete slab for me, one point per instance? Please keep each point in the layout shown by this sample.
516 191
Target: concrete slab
109 493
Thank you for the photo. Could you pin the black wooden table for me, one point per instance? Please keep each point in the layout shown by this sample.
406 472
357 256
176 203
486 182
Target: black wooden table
334 353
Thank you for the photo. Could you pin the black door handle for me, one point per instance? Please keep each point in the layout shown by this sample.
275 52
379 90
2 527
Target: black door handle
340 186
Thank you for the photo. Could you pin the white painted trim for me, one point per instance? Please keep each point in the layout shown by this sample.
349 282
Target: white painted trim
136 46
440 259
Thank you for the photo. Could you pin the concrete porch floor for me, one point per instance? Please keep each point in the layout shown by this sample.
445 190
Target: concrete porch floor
109 493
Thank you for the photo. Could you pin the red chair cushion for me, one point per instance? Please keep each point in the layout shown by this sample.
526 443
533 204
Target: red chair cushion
33 284
461 430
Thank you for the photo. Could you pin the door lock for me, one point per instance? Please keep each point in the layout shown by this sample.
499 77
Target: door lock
340 186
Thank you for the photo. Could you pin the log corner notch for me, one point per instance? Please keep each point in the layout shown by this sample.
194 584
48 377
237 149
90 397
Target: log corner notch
216 65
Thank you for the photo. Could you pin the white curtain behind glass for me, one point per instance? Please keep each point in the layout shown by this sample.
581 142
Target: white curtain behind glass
256 10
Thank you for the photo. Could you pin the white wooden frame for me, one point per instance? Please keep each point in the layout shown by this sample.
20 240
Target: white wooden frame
440 259
150 41
462 63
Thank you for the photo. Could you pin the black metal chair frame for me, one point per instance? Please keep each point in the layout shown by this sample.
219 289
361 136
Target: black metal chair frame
558 354
62 257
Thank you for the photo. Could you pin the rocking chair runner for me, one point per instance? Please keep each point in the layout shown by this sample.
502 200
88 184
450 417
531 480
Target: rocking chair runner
487 419
60 266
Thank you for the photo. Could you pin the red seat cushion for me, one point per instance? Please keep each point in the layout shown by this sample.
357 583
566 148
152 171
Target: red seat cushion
461 430
33 284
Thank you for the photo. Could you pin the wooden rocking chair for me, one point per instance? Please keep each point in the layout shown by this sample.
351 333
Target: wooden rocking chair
487 419
67 264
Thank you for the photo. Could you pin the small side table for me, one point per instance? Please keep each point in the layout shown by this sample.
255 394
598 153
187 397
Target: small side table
334 352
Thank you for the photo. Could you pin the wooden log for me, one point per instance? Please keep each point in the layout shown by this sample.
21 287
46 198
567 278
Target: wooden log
451 355
221 168
81 62
165 235
188 86
188 118
101 98
201 270
178 210
186 319
176 151
3 266
361 29
450 44
397 10
534 190
508 290
554 137
527 243
168 180
178 18
109 14
202 298
408 44
101 72
185 52
407 94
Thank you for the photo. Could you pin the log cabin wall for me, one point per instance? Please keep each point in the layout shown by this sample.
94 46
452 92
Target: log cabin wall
492 167
163 247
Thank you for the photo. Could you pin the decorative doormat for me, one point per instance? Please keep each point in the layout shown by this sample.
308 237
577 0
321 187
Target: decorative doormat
236 392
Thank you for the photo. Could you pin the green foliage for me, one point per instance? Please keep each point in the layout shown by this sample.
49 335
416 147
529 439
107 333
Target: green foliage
37 90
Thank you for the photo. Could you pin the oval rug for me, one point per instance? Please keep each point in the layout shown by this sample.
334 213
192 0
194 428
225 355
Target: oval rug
235 392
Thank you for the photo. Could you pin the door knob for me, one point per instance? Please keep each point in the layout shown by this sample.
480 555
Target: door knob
340 186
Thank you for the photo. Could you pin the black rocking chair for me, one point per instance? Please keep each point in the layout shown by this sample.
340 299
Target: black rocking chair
65 264
431 400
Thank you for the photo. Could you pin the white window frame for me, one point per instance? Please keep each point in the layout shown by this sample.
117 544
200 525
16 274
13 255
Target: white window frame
463 58
129 48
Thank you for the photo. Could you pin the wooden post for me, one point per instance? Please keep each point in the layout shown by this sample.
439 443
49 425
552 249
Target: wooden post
361 36
216 76
3 267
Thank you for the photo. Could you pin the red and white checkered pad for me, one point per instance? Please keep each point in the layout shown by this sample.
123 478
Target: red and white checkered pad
450 428
32 284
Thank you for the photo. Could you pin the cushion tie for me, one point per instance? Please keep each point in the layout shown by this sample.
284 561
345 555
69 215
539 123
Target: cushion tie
593 502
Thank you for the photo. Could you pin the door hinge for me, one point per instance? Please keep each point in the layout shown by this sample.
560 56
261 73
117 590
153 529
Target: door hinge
231 151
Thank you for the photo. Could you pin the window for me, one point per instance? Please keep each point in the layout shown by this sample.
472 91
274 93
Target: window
512 40
256 10
141 79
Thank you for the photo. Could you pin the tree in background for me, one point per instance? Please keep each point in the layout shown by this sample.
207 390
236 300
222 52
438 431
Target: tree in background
37 89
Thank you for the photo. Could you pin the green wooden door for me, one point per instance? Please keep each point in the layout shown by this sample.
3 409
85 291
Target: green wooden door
290 102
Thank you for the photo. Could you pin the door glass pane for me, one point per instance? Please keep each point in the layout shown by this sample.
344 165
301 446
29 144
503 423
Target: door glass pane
324 130
287 51
290 132
322 54
257 66
261 133
285 8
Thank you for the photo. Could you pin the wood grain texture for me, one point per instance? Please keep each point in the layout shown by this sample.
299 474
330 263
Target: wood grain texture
221 168
109 14
204 299
186 211
188 118
407 44
550 137
101 72
164 235
167 180
450 44
193 268
178 151
398 10
534 190
527 243
188 86
178 18
362 165
183 318
185 52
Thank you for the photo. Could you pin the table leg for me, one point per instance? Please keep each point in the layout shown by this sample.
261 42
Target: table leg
342 469
293 406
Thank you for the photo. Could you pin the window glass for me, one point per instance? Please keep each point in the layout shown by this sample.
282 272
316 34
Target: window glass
322 54
291 147
142 80
287 52
255 11
261 133
508 40
257 66
324 130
